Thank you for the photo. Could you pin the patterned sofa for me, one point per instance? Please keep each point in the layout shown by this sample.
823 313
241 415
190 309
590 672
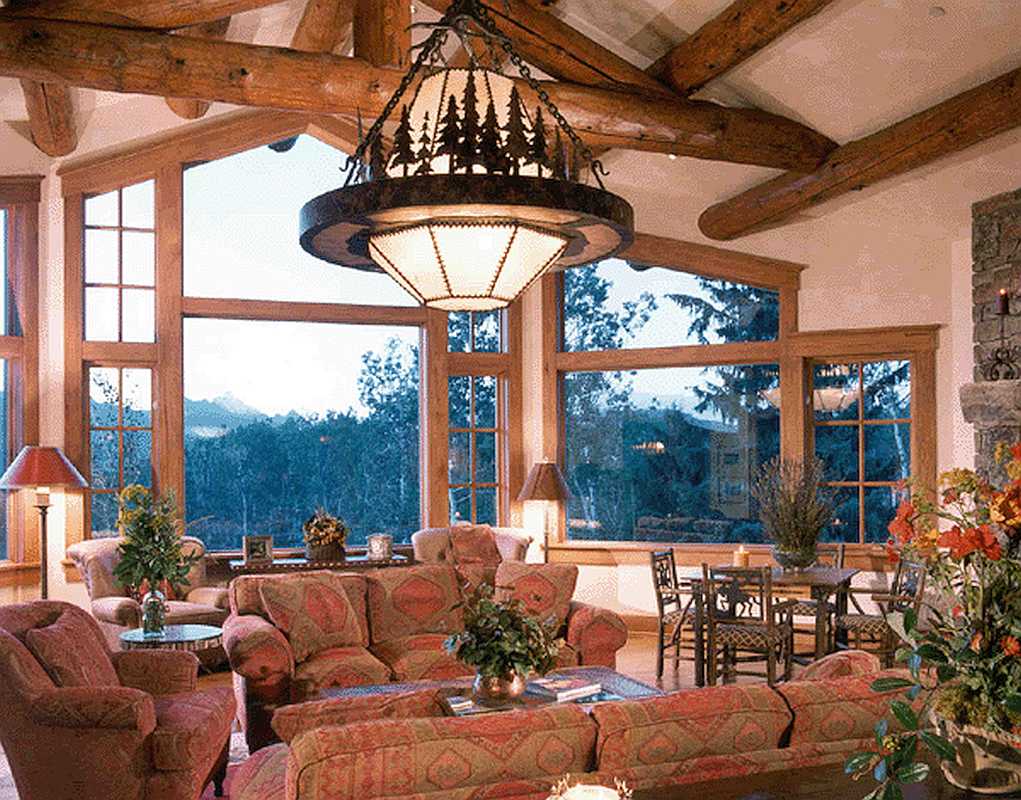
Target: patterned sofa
323 629
398 747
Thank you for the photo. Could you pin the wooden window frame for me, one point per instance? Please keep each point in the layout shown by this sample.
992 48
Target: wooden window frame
164 159
20 196
793 350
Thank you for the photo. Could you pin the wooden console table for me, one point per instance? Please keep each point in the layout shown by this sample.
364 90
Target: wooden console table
349 564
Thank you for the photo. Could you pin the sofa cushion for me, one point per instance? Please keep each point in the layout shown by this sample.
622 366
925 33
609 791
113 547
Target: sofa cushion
474 544
244 595
420 658
72 652
191 728
472 576
710 722
184 612
339 667
262 776
412 600
313 611
441 757
837 710
846 664
289 721
545 589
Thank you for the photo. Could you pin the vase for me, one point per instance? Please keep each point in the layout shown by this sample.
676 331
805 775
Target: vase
987 762
324 552
794 560
498 688
154 614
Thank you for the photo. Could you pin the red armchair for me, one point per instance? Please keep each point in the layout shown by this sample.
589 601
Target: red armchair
126 725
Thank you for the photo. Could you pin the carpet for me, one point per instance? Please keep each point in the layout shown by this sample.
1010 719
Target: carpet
238 753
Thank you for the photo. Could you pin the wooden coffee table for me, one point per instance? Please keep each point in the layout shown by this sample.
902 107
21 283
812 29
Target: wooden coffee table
611 681
809 783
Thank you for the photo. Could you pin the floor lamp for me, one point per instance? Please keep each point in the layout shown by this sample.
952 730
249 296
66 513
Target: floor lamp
545 483
42 468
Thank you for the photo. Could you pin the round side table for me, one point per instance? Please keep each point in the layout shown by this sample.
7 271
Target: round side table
193 638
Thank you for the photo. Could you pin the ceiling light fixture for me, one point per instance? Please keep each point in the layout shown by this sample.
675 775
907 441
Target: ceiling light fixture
479 193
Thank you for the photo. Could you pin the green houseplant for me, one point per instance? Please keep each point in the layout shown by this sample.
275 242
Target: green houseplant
325 536
964 655
793 509
152 557
504 645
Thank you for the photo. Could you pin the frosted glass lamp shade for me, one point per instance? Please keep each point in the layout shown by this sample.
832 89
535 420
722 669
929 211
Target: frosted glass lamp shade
463 265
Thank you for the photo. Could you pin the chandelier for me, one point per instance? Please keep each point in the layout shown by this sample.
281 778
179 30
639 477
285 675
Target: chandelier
478 194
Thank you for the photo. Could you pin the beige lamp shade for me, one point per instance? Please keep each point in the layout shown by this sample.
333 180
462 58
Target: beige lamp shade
545 482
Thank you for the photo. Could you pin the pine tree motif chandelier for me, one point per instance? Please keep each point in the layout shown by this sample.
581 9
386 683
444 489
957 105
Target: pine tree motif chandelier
476 197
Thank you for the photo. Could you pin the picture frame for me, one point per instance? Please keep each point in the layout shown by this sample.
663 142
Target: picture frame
258 550
379 547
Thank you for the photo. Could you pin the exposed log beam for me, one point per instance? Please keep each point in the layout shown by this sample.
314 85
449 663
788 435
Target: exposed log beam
737 33
157 14
142 62
196 109
382 32
323 25
560 51
951 126
50 117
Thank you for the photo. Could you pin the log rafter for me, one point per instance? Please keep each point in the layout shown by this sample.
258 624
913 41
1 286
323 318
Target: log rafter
949 127
196 109
154 14
51 118
143 62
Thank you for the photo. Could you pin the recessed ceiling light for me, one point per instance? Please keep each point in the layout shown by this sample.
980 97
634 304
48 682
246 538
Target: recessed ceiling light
937 11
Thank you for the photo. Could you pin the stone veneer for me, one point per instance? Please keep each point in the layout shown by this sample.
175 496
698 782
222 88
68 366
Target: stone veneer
994 408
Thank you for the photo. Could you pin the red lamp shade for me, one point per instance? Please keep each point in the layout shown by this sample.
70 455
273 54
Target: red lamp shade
545 482
41 466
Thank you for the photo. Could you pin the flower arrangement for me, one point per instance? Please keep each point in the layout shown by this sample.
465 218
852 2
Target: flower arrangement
323 528
793 509
500 638
965 660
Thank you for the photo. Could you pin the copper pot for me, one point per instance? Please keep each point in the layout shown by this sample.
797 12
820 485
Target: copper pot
498 688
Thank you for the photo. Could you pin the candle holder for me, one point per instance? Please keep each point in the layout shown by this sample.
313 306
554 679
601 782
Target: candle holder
1004 362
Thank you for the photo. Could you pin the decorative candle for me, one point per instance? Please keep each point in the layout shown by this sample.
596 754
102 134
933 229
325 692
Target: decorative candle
741 556
1003 303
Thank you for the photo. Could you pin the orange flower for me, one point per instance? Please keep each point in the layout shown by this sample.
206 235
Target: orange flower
976 643
1010 646
956 611
892 555
1005 506
1015 451
900 527
963 543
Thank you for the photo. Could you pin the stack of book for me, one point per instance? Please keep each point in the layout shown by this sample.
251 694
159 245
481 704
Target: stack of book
564 689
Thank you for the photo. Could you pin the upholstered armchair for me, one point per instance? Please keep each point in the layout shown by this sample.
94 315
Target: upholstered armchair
434 544
79 722
117 611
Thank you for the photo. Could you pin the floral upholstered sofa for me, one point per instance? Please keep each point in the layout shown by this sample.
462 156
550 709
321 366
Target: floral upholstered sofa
399 746
288 637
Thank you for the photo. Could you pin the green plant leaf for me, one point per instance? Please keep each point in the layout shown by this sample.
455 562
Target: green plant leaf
890 684
938 745
1013 703
913 773
858 762
905 716
930 652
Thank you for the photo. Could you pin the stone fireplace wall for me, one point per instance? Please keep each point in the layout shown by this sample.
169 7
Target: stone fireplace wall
996 257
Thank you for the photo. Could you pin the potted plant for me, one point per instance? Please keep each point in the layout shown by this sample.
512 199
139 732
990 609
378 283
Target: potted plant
793 509
325 536
152 558
504 645
964 658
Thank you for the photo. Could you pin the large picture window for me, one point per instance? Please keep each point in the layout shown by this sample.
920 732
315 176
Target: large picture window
284 417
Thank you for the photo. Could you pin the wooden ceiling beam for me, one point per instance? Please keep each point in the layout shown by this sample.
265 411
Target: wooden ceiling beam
50 117
187 108
953 125
142 62
324 24
154 14
382 32
737 33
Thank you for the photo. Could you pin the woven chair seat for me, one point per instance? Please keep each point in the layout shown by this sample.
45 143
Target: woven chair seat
807 608
863 623
680 616
751 638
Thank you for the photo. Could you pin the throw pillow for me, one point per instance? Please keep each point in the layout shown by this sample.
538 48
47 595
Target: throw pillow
71 653
408 601
474 544
544 589
313 611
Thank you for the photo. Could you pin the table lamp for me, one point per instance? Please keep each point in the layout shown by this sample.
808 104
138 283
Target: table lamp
41 468
545 483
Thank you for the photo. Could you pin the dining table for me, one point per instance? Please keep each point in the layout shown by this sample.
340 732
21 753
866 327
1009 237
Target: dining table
822 583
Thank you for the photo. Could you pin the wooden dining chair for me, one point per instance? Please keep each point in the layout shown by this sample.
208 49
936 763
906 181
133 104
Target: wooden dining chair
871 631
745 624
828 556
675 605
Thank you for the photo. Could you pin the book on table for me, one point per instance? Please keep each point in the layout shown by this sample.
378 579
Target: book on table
562 688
